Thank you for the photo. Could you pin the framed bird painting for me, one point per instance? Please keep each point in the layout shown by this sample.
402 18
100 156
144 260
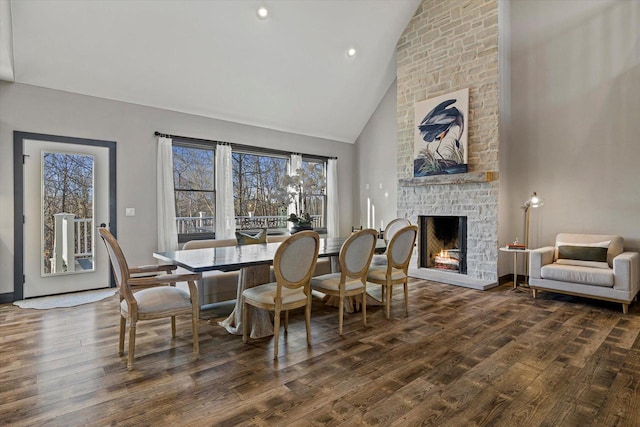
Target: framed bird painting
441 135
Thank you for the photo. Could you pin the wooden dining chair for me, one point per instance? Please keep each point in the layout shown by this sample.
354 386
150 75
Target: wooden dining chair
157 298
390 230
293 265
355 258
395 272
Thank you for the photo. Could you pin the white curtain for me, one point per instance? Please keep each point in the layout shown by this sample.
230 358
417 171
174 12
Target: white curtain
225 215
294 164
333 224
167 228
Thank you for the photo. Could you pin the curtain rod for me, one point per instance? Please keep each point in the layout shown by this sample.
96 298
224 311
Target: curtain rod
240 146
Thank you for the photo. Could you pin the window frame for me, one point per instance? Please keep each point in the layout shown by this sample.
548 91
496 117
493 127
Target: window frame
210 145
322 229
185 237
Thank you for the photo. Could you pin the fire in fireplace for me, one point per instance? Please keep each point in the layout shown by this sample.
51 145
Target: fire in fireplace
443 243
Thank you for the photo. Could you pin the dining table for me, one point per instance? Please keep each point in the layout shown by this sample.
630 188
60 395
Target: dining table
254 263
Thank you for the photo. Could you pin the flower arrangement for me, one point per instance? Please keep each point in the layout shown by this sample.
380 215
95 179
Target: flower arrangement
293 190
304 220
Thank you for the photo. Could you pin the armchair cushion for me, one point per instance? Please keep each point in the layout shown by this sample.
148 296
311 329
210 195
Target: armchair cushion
578 274
583 253
614 244
584 256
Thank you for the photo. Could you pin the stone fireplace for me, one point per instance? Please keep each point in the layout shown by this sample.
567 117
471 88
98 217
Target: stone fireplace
472 196
446 47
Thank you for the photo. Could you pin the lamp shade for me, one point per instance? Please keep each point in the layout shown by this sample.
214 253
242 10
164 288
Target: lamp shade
534 201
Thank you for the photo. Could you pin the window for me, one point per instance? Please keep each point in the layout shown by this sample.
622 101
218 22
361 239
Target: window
259 198
256 180
315 199
193 178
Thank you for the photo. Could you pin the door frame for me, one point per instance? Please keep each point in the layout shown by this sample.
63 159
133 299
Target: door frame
18 196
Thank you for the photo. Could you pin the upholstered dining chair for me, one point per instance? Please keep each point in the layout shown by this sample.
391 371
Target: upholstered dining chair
390 230
355 258
395 272
293 265
159 297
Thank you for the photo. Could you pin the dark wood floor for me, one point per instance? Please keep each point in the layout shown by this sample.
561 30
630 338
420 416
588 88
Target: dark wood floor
461 357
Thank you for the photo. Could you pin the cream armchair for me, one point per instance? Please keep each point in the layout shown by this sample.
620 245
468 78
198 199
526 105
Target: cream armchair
588 265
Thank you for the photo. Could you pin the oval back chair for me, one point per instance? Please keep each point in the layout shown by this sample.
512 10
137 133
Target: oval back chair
293 265
355 259
395 272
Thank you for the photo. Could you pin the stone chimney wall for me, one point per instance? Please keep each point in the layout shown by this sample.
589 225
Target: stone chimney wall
447 46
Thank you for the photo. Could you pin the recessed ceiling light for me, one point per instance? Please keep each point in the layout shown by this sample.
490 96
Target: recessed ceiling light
351 52
262 12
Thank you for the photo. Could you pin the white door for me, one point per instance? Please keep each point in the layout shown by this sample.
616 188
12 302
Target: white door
66 196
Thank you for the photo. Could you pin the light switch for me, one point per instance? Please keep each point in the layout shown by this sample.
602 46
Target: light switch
130 212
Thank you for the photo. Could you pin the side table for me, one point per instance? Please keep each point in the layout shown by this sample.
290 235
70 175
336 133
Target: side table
515 253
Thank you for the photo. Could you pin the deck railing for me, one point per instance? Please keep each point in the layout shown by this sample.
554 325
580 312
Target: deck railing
76 241
206 224
73 240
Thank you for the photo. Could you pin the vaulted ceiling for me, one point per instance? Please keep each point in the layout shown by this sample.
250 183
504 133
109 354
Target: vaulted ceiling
215 58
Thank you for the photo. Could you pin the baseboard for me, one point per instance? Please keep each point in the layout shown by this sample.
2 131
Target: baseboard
508 278
6 298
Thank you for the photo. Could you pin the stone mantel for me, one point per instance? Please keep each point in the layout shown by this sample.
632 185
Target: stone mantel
460 178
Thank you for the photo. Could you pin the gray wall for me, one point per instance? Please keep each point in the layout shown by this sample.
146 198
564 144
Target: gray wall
376 149
34 109
569 121
575 118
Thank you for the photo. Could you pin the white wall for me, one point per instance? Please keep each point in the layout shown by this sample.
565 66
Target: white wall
376 151
575 118
34 109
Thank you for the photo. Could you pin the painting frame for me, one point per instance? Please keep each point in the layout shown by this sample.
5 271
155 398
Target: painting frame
441 129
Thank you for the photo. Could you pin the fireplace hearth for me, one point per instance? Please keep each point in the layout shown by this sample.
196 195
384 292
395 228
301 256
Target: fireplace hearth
443 243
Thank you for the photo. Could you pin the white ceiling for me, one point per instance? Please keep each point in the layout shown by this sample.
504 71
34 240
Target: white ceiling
216 59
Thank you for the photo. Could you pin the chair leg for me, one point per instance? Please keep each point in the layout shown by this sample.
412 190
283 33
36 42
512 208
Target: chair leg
276 332
625 308
286 322
364 307
173 326
245 326
340 315
406 298
307 319
388 301
194 329
123 326
132 344
534 292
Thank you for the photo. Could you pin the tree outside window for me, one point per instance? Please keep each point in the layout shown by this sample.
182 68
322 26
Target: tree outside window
260 199
255 190
193 177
